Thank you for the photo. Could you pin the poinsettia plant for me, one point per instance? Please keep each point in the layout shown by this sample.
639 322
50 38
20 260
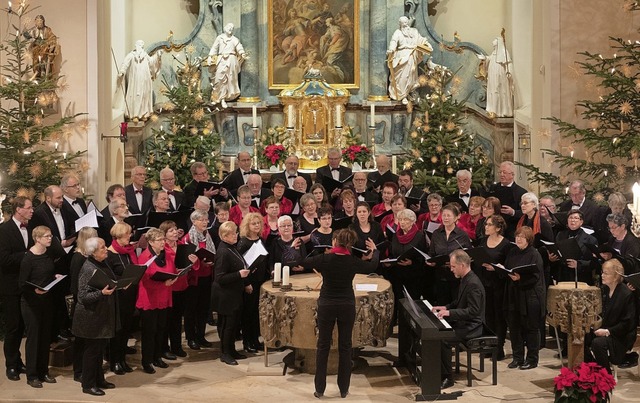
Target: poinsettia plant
356 153
587 382
274 154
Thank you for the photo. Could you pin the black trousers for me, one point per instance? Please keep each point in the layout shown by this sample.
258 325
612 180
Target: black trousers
250 316
154 324
524 330
61 322
126 309
603 350
38 319
14 329
92 374
198 303
328 315
174 324
78 356
227 328
495 314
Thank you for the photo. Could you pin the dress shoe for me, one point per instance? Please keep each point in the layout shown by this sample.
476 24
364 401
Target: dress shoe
167 355
630 360
148 368
179 352
193 345
13 374
130 350
93 391
514 364
528 365
126 367
446 383
344 394
48 379
77 378
318 395
249 349
117 369
22 368
500 355
106 385
34 383
238 356
205 343
160 364
227 359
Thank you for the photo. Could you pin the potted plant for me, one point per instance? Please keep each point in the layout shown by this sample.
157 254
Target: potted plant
587 382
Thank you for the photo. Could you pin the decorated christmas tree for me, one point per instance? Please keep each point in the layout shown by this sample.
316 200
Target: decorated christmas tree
440 144
605 143
186 133
31 133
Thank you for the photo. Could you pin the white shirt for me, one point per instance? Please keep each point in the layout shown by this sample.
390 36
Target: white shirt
57 215
172 198
75 205
138 196
290 180
23 232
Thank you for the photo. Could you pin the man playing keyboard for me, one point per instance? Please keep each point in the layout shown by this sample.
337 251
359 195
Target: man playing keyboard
465 313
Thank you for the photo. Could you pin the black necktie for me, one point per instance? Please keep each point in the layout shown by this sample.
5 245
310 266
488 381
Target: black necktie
23 225
246 173
464 195
292 177
138 191
575 205
360 194
169 192
335 169
74 202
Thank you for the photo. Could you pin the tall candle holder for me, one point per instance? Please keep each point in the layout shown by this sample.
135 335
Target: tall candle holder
372 137
337 136
256 136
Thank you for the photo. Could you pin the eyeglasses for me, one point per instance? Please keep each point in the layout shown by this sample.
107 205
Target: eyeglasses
47 236
285 226
77 185
489 224
167 179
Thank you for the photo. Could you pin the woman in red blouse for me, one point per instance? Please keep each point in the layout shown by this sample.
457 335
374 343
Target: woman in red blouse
389 189
469 221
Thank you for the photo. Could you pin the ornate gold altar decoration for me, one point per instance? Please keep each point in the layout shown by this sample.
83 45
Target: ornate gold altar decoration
314 112
574 311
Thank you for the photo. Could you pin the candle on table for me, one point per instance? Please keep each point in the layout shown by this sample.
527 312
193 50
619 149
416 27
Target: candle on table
276 272
254 111
285 275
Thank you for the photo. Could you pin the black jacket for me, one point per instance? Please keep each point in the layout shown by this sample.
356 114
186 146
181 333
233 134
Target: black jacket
467 311
526 296
283 175
619 317
228 286
12 250
326 171
455 198
130 195
235 179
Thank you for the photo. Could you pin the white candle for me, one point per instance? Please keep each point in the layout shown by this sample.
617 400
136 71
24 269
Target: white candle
373 115
394 164
232 164
338 116
285 275
290 117
277 271
254 111
636 196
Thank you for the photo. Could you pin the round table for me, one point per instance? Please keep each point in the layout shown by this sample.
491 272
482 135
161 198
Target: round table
288 318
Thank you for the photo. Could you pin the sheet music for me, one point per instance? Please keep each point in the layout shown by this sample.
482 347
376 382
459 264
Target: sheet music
444 322
92 207
148 262
254 252
88 220
432 226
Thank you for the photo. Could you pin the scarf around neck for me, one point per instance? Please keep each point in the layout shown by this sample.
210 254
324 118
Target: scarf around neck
340 250
405 238
196 237
129 250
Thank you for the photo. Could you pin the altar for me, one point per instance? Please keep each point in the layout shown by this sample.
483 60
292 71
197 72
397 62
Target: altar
288 318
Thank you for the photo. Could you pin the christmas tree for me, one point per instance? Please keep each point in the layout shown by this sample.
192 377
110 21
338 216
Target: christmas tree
186 135
609 131
31 133
440 145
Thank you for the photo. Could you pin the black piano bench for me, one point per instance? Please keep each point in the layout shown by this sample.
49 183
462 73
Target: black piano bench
486 345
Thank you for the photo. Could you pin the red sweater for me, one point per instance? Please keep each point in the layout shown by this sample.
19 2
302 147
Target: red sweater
154 294
235 214
286 207
379 209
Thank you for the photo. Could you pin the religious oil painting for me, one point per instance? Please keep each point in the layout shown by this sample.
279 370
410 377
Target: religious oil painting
323 34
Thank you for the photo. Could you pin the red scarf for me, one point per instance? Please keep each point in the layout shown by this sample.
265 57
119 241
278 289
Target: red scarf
408 237
125 250
536 222
340 250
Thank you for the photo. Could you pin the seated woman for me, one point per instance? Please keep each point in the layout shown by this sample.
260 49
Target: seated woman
286 249
617 333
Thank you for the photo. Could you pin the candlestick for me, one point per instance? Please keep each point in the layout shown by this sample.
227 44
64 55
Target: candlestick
290 117
232 164
277 271
338 116
373 115
394 164
254 112
285 277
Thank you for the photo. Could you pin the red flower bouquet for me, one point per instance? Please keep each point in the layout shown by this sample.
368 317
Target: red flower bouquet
356 153
587 382
274 153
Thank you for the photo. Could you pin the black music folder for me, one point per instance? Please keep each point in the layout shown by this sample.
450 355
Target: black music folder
206 255
341 223
379 217
180 217
479 255
293 195
633 279
99 280
209 185
524 269
164 276
49 286
331 184
565 249
384 178
182 255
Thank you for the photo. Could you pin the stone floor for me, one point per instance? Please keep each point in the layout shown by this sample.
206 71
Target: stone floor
201 377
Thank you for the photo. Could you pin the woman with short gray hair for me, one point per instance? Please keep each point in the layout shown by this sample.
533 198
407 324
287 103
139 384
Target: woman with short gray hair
622 240
531 218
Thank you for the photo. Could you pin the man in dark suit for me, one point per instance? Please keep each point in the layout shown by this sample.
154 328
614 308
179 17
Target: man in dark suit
383 165
291 173
360 188
593 218
406 189
118 212
73 205
239 176
137 194
466 313
465 191
333 170
258 193
168 182
510 194
115 191
200 173
15 240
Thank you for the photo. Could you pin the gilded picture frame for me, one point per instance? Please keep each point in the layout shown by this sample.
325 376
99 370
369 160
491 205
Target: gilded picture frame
324 34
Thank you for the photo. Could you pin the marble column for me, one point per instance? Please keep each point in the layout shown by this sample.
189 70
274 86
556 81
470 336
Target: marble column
378 51
249 75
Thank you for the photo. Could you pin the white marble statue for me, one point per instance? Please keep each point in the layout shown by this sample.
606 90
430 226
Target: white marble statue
499 96
227 55
140 70
406 50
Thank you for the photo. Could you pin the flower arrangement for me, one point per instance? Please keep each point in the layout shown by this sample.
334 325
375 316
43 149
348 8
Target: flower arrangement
587 382
274 146
275 154
356 153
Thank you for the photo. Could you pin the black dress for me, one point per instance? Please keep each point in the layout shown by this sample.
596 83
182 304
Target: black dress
375 233
250 317
336 304
444 286
525 304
